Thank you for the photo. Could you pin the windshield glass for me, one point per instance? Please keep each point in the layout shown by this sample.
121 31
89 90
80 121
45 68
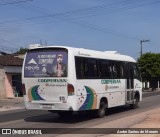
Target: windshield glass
46 63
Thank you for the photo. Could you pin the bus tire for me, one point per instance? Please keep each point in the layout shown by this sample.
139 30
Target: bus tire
102 110
135 103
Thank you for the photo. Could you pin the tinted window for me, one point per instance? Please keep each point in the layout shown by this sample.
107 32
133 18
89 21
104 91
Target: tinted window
105 69
136 71
90 68
117 69
80 67
86 68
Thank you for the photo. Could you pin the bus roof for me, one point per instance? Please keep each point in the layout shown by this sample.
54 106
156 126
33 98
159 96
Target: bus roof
110 55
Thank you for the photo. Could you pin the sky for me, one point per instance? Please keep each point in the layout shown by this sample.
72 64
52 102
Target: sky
103 25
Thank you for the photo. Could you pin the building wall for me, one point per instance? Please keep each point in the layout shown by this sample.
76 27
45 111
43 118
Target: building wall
8 85
2 83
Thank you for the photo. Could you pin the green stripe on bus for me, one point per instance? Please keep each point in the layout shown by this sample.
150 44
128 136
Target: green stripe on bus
91 98
33 91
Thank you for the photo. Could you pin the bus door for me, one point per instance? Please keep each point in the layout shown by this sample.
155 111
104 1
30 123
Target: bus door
129 82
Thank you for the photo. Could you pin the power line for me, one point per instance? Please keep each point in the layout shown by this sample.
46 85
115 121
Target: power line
155 43
112 7
97 10
7 48
85 24
15 2
11 43
106 30
104 9
81 13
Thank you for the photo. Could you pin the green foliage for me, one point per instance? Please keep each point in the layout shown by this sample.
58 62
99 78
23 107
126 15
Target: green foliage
22 51
149 64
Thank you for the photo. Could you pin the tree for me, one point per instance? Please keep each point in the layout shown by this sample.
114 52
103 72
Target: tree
149 64
22 51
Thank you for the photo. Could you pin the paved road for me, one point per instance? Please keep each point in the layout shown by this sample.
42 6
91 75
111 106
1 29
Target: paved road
148 94
26 118
118 117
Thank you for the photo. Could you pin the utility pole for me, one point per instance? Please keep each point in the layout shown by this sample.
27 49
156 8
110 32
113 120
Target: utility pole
141 44
142 53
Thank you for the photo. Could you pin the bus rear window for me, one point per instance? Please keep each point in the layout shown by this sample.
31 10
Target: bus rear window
46 63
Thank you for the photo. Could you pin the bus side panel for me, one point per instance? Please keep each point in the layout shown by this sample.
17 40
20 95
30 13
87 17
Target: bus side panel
116 98
90 92
87 96
115 92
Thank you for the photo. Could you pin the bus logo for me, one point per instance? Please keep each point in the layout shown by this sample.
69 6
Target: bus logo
32 68
32 61
110 81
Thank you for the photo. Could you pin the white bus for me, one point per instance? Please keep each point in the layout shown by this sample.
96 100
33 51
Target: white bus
65 79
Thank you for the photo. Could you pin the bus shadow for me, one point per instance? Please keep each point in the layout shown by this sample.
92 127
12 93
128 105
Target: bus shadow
54 118
116 110
76 118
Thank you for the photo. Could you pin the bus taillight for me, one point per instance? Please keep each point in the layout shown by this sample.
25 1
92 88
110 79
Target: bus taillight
70 89
23 89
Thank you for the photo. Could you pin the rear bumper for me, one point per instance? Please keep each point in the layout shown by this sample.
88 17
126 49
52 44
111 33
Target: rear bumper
46 105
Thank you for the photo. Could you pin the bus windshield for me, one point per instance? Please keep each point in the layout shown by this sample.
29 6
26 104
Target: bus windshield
46 63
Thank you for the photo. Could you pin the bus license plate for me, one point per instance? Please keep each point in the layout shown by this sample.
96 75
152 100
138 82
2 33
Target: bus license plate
47 106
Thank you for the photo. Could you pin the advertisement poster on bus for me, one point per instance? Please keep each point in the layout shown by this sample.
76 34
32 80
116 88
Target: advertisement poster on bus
46 64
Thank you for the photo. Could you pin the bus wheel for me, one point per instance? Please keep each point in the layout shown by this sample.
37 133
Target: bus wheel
65 114
135 103
102 110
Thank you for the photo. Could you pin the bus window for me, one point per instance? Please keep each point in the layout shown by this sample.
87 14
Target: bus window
114 71
91 68
105 69
80 68
118 69
129 74
86 68
122 70
136 72
46 63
